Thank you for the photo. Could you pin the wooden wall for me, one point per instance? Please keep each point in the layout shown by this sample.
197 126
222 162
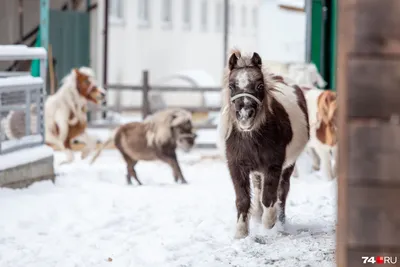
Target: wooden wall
369 151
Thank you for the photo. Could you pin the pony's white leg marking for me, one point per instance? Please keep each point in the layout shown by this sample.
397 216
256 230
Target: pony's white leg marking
316 159
270 214
70 157
335 156
279 224
326 165
295 171
242 227
52 139
257 209
90 145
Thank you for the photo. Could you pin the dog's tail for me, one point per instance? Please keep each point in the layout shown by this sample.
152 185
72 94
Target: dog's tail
106 143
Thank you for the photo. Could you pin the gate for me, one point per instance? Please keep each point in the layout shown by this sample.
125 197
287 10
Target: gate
69 36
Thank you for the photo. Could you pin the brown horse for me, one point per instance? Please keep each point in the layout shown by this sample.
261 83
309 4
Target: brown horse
156 138
265 127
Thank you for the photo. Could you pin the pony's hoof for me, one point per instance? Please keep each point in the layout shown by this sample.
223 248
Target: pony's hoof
241 234
184 182
84 154
269 217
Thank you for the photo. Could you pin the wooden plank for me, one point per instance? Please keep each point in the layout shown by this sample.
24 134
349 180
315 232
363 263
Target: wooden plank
185 89
124 87
377 162
377 82
356 260
374 219
195 109
377 24
345 40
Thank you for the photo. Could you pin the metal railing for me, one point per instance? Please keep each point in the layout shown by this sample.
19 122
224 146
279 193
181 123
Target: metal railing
22 101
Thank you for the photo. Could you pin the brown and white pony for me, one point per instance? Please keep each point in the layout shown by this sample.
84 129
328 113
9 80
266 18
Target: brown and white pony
264 124
65 111
322 147
156 138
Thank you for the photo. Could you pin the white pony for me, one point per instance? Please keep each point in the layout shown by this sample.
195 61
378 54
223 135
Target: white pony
65 111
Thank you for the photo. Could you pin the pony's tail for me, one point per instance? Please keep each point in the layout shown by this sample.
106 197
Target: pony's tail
106 143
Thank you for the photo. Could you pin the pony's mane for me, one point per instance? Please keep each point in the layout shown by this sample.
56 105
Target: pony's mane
159 124
270 85
69 80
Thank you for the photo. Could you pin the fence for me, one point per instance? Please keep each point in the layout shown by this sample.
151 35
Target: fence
21 101
146 108
303 73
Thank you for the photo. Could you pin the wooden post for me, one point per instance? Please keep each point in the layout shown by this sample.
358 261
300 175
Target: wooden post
105 51
226 31
369 147
145 95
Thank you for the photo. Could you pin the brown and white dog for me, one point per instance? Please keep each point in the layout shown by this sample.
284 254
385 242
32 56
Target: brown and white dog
65 111
322 112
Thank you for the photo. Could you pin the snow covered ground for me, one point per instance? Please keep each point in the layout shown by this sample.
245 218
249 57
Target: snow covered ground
90 217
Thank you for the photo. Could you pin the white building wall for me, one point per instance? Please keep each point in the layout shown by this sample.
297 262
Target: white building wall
165 51
282 36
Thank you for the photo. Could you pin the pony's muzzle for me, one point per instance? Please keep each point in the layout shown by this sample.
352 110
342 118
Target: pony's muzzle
245 113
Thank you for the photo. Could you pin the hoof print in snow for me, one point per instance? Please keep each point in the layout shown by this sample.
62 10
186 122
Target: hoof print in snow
260 240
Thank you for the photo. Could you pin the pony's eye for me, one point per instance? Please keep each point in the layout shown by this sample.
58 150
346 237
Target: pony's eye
231 87
260 86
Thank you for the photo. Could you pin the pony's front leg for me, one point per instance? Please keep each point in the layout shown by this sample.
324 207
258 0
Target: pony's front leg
269 195
69 156
326 165
241 182
283 191
257 210
90 145
63 139
315 159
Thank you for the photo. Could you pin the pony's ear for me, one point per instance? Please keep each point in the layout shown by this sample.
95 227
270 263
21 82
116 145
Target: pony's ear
177 120
232 62
256 59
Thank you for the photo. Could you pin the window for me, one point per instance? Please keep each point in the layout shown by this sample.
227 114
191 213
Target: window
244 16
255 18
166 13
218 16
187 13
144 12
204 15
115 11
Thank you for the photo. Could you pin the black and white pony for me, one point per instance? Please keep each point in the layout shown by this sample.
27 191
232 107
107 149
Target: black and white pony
264 128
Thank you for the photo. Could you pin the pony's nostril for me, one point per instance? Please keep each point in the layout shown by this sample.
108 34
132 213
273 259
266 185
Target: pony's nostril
251 112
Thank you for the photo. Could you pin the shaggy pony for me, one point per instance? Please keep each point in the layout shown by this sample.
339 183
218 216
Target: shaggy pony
264 128
156 138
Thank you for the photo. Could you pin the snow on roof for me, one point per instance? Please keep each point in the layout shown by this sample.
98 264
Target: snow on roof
292 3
21 52
20 81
